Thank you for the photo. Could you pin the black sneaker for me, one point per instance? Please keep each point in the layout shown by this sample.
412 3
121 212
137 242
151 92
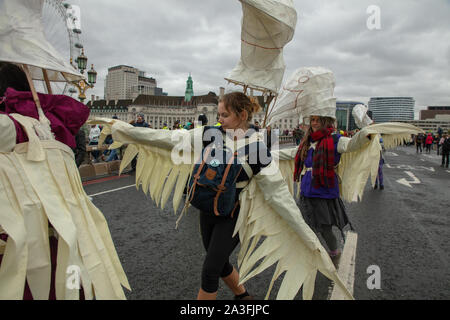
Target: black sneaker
376 187
244 296
381 187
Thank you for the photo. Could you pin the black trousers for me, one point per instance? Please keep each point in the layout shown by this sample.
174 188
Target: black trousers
445 159
418 146
217 239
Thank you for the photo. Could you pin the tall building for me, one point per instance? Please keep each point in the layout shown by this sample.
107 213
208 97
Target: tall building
386 109
125 82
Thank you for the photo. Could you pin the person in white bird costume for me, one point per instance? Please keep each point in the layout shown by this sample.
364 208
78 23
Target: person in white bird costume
328 166
54 242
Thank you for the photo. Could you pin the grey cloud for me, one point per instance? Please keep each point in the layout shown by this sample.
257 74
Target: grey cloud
171 38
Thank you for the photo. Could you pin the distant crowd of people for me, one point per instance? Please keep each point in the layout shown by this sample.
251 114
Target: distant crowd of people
439 142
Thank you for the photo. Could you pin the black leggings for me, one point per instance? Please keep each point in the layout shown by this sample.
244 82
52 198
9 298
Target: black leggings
217 239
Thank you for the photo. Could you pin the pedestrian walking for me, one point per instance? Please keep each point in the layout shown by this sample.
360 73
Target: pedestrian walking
235 112
429 142
439 145
94 135
419 141
380 181
298 135
445 150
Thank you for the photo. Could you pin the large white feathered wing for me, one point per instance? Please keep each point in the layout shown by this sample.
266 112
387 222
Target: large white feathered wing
165 158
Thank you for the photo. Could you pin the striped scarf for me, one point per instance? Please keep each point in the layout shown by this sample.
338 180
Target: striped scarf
323 161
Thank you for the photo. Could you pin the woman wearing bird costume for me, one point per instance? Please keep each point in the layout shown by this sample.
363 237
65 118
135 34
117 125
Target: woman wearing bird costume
329 166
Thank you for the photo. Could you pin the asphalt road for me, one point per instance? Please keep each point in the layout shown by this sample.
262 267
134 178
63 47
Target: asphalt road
405 230
402 230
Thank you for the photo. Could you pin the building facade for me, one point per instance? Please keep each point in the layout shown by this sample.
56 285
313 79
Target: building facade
108 109
434 111
432 126
386 109
163 109
158 110
126 82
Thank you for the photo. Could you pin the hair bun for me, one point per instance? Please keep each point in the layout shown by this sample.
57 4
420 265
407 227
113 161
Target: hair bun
255 105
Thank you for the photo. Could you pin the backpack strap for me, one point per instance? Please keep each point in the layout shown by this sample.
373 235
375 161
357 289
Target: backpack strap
197 175
221 187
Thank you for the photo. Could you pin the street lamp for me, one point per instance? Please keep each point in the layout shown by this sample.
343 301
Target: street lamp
92 76
82 85
82 61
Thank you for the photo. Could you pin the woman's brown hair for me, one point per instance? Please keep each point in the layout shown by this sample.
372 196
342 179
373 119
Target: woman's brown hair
237 102
305 144
12 76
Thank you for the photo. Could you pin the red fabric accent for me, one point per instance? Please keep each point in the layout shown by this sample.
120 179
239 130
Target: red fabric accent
298 162
66 115
323 161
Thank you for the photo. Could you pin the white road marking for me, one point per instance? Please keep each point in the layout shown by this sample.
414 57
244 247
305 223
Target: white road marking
408 167
431 156
431 169
114 190
408 183
393 154
346 268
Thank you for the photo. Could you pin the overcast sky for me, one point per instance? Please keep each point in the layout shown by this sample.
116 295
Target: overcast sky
409 55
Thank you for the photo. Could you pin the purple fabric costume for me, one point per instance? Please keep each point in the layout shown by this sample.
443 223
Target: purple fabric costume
307 189
66 115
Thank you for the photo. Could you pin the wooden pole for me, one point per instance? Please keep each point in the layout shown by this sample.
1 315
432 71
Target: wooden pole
33 89
42 118
269 100
47 82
